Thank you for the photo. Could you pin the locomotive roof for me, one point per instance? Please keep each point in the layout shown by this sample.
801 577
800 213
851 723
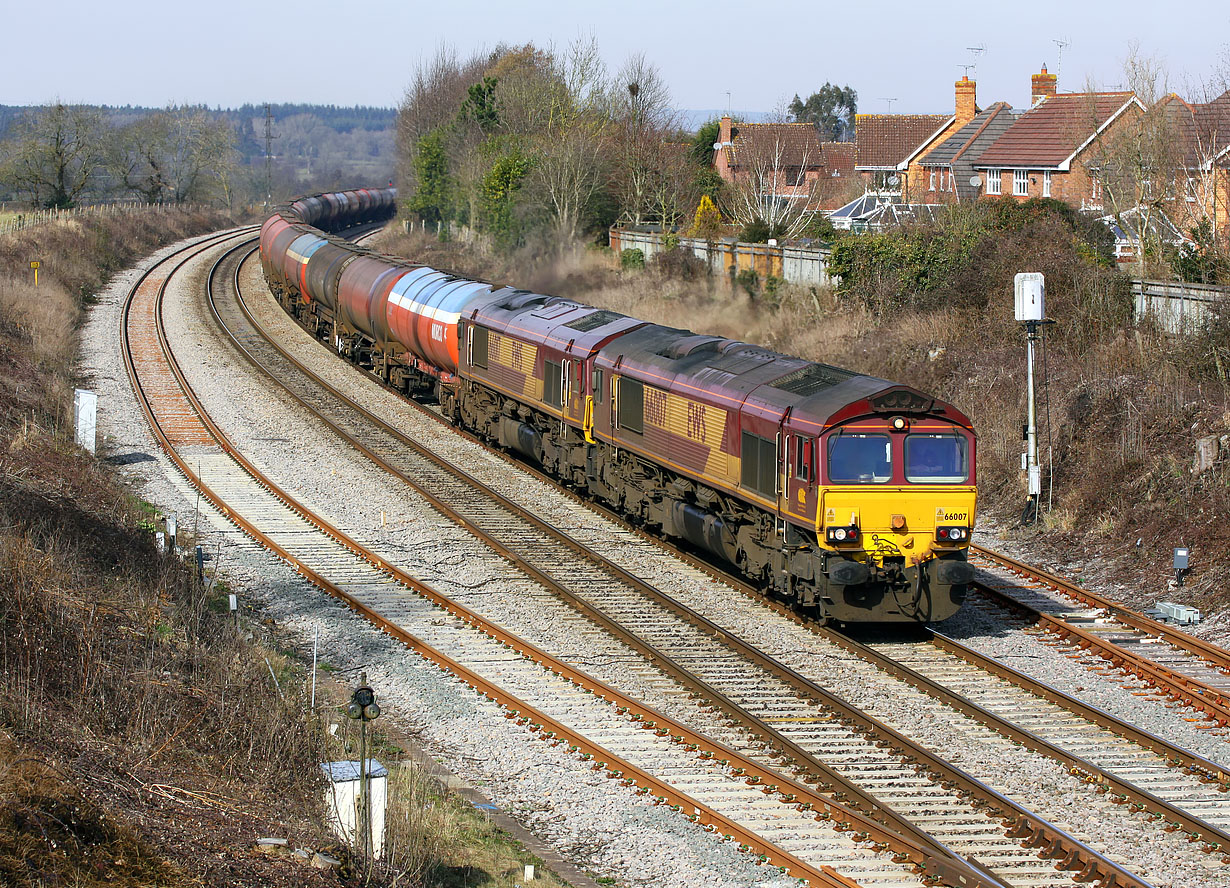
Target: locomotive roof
563 324
737 374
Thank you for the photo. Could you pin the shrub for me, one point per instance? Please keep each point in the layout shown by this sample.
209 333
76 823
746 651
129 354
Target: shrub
680 264
632 258
749 280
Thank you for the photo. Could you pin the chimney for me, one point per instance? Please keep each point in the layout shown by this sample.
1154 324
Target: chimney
1043 85
724 129
967 107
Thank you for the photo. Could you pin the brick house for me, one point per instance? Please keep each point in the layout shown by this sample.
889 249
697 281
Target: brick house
886 143
1202 134
1050 149
789 158
946 170
916 179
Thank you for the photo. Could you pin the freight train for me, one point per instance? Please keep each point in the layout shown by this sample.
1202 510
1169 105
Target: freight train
849 496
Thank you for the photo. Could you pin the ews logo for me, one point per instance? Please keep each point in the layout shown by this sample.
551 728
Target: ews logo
696 421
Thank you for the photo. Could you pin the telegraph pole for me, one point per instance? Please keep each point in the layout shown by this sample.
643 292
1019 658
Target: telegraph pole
268 157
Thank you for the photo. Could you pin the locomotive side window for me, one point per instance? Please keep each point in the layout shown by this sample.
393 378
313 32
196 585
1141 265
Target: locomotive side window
936 459
758 464
802 458
480 345
860 459
553 383
596 384
630 411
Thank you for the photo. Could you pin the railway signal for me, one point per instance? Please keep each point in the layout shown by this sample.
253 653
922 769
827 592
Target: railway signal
364 708
35 265
1030 304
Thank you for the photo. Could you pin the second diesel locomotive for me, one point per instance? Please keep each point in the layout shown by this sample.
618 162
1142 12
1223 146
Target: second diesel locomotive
848 495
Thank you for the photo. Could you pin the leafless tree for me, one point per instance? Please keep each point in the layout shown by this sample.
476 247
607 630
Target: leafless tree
1138 158
772 185
644 124
173 156
56 154
571 146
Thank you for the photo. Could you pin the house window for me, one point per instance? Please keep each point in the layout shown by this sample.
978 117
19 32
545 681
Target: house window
951 186
1046 183
1191 194
932 186
1020 183
1095 189
993 182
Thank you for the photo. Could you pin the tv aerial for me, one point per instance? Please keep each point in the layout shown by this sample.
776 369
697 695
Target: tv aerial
890 102
1062 43
974 52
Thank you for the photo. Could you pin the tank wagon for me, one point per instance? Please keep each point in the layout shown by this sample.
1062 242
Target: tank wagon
850 496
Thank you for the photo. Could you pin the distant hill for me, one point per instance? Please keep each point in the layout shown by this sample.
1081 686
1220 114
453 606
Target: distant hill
314 147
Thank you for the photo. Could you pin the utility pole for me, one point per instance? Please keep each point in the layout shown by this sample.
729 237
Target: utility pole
268 157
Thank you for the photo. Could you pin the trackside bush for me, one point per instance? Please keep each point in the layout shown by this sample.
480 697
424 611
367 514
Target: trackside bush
632 259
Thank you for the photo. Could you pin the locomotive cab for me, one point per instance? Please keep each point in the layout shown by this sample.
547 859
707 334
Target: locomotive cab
896 511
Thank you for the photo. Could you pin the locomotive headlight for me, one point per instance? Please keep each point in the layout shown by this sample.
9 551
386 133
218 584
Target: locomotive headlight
952 534
842 534
900 423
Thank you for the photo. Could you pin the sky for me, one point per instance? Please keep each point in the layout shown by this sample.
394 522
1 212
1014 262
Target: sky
226 53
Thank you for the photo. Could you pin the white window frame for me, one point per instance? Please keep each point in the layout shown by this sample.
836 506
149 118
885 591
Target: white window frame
1020 183
1046 183
932 181
994 184
1192 193
1095 188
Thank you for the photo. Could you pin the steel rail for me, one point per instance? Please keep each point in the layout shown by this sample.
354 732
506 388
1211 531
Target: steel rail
1181 687
1213 654
617 767
1125 791
1024 823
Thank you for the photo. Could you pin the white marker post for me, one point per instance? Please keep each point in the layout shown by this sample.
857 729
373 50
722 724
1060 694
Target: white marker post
85 418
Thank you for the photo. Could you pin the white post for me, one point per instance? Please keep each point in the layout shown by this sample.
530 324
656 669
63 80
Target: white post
315 642
85 416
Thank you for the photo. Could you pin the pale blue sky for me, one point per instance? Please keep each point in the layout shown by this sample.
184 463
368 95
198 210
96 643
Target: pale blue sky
155 53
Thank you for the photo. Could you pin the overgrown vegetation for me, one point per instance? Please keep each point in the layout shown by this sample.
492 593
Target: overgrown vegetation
143 740
536 147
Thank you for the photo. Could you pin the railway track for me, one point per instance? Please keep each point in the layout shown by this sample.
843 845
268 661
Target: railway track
1186 668
695 656
786 822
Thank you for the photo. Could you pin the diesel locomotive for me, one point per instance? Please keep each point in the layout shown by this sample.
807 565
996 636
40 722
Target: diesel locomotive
850 496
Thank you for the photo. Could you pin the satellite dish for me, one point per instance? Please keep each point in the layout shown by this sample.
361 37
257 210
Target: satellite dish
717 146
975 181
893 180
